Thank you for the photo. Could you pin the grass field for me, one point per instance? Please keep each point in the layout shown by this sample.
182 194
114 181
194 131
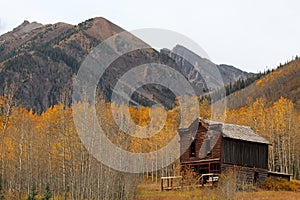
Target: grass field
152 192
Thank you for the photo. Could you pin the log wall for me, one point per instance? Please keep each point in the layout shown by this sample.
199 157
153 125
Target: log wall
186 140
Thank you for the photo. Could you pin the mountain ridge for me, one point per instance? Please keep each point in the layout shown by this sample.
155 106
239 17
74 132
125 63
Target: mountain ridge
201 72
41 61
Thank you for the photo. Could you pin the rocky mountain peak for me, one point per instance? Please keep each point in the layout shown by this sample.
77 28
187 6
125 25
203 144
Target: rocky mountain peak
100 28
26 27
200 71
25 23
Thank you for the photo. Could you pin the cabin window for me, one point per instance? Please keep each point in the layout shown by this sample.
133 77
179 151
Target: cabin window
207 147
193 149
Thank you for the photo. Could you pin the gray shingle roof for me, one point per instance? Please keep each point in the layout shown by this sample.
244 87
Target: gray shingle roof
236 132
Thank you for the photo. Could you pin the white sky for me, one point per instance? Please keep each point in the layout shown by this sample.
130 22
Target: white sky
249 34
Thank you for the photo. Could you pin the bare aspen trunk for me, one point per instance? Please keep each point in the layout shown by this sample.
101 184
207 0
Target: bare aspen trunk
20 163
3 152
63 155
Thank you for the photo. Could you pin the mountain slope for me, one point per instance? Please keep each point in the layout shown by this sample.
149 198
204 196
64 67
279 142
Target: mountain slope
282 82
38 63
201 71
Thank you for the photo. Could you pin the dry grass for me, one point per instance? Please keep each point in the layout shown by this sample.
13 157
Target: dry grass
148 191
177 195
274 195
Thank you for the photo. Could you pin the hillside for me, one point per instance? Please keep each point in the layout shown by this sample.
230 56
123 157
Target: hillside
38 63
202 67
282 82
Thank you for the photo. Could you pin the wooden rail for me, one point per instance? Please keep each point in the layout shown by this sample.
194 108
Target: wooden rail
171 183
177 182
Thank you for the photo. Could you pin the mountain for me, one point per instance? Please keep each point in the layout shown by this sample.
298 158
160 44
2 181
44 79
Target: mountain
202 72
38 63
282 82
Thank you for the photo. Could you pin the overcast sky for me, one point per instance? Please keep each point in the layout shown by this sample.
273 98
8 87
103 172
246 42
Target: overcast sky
248 34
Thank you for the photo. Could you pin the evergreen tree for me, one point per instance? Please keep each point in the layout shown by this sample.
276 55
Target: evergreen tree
47 192
1 190
33 193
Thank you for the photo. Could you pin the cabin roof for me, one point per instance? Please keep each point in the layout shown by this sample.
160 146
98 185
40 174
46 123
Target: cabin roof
233 131
237 132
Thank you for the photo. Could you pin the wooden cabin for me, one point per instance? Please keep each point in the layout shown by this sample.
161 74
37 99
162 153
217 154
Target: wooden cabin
214 147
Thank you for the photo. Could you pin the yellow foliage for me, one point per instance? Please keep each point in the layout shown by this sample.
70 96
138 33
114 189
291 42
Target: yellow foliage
49 143
259 82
